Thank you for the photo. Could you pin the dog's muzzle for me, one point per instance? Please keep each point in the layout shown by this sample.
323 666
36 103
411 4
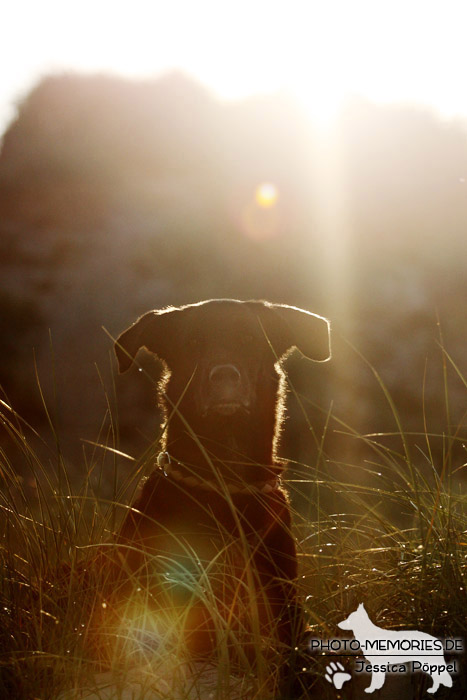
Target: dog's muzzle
226 391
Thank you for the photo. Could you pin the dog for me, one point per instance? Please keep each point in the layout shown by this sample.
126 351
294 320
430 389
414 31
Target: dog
379 646
215 502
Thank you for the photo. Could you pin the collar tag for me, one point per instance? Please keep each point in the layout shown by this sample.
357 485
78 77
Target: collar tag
164 463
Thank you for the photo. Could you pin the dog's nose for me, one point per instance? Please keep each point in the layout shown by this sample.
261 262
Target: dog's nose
224 373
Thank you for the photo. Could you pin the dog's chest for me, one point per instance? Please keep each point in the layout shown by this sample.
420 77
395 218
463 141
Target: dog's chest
208 535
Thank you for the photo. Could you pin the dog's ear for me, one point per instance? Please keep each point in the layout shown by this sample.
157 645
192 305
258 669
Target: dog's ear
152 330
287 327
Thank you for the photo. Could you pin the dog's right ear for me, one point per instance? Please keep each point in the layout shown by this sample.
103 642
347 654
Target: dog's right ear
150 331
288 327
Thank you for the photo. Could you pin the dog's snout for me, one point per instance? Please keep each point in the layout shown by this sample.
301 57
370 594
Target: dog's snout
226 390
224 373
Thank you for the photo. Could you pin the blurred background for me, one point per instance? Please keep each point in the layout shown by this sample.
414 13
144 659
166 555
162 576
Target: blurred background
313 154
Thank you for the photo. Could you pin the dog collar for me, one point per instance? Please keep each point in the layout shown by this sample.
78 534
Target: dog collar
166 465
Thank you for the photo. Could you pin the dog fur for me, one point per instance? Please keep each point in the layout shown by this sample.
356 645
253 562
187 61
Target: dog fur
217 489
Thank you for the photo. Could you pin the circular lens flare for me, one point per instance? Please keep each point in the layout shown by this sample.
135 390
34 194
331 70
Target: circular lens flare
266 195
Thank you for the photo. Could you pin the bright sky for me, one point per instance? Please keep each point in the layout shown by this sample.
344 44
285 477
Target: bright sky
319 50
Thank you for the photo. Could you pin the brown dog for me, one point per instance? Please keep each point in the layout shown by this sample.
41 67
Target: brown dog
216 501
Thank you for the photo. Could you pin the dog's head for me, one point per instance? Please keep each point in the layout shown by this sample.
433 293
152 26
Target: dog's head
221 352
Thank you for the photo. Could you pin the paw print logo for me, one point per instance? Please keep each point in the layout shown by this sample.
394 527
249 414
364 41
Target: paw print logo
336 674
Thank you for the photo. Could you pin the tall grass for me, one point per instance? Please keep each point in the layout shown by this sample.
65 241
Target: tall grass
397 542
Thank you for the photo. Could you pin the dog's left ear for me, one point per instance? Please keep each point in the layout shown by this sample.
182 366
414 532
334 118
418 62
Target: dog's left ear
287 327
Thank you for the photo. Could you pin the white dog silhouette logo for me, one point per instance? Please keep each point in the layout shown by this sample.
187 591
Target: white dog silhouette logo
384 649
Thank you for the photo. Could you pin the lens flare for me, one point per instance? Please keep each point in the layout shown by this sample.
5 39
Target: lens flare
266 195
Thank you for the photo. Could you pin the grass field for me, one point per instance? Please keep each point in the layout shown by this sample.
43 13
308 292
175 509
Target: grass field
397 542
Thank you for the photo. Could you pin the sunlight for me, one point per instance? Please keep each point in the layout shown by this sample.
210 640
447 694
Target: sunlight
319 53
